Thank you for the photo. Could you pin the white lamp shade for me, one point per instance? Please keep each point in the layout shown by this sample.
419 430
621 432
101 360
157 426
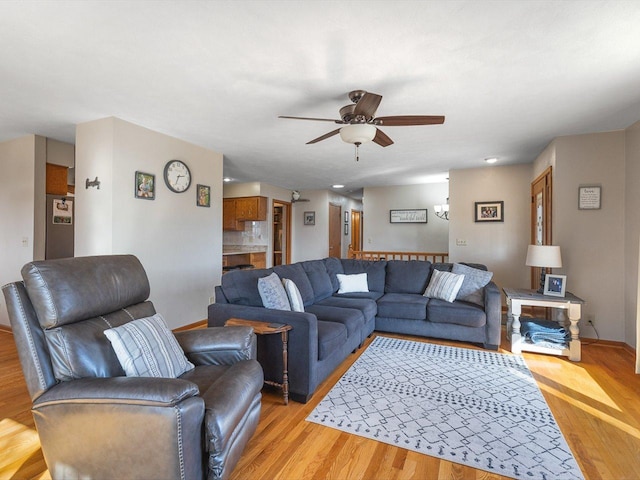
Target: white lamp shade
358 133
544 256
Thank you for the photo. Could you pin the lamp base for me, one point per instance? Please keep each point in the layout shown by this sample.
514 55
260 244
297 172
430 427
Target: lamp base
543 274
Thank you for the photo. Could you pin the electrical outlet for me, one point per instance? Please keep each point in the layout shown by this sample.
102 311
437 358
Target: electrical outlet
212 300
591 319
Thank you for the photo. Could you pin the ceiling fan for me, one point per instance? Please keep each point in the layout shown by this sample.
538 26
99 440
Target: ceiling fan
295 197
360 122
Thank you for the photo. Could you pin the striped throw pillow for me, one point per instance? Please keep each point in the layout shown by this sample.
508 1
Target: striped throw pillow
444 285
147 348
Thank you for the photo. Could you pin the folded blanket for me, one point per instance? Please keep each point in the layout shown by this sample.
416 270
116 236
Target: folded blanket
538 330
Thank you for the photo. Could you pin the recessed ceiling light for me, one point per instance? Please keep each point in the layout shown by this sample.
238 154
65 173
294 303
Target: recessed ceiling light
491 160
337 186
226 179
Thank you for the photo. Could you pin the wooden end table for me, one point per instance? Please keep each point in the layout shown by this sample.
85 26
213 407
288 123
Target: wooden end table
519 297
265 328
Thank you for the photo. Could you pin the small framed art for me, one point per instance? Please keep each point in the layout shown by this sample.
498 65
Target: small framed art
346 229
589 197
489 211
555 285
145 186
408 216
309 218
346 216
203 198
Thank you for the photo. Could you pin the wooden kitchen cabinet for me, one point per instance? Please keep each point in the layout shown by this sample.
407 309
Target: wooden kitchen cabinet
235 211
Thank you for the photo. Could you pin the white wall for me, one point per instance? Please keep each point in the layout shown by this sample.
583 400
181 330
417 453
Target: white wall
310 242
178 243
501 246
632 233
380 234
591 241
17 163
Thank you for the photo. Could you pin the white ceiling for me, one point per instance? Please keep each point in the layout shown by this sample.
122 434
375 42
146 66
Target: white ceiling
508 75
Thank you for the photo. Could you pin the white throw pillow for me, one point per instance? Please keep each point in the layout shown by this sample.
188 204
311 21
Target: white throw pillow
353 283
272 293
147 348
444 285
293 293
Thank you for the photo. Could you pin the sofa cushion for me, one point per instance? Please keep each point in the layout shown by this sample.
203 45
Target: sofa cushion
331 336
444 285
403 305
349 317
333 266
296 273
293 294
474 282
355 283
367 306
147 348
319 278
458 313
241 286
371 295
407 276
272 293
375 271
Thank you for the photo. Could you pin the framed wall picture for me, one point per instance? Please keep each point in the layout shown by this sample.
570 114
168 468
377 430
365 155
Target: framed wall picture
555 285
309 218
408 216
203 196
346 229
346 216
489 211
145 186
590 197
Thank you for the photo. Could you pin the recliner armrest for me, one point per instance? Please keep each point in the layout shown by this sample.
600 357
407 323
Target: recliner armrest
218 345
142 391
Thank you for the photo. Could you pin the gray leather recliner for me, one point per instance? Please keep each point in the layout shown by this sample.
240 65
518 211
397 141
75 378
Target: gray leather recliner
95 422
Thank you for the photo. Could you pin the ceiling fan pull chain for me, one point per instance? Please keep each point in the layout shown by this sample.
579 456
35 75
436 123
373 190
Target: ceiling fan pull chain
357 153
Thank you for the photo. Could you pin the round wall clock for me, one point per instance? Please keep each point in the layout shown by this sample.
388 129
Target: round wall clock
177 176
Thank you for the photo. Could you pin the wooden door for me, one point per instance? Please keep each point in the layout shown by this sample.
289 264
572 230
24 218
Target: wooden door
335 230
356 230
541 208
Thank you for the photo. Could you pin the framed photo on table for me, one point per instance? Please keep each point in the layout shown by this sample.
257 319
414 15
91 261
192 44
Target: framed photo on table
555 285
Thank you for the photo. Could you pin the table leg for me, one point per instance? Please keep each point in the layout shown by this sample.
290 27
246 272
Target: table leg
575 348
285 368
516 338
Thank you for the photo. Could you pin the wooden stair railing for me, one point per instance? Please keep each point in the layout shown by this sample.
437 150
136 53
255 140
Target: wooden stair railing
434 257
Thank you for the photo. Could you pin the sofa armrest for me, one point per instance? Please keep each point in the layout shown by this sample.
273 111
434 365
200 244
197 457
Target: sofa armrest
111 427
493 311
218 346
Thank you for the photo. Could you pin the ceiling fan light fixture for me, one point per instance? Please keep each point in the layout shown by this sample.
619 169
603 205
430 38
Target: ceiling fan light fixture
358 133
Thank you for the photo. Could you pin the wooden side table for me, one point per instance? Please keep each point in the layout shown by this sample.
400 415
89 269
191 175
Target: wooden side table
264 328
518 297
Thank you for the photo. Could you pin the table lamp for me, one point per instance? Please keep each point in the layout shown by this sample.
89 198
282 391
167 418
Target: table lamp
545 256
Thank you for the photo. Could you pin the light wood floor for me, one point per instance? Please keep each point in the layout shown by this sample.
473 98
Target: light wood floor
596 403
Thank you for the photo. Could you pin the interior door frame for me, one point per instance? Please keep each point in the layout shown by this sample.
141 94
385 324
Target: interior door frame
356 230
339 229
542 186
286 260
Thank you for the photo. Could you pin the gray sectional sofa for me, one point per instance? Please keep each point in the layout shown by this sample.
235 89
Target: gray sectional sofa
335 324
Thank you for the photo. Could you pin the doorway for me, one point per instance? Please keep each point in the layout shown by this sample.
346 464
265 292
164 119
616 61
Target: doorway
356 230
335 230
541 208
281 233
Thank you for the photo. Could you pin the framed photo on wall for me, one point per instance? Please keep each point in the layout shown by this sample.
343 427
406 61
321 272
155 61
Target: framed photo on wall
145 186
489 211
309 218
555 285
203 196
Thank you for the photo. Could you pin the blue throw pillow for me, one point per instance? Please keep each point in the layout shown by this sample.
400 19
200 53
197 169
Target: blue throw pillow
272 293
474 282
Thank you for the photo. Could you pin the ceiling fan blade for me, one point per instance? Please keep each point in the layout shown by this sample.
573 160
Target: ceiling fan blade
382 139
325 136
314 119
367 105
407 120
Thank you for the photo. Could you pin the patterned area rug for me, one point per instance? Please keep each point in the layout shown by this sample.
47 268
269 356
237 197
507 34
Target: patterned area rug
472 407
